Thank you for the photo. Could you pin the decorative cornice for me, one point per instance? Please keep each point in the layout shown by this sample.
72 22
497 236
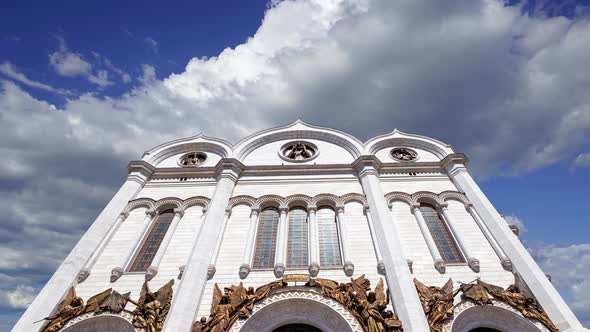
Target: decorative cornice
366 164
142 167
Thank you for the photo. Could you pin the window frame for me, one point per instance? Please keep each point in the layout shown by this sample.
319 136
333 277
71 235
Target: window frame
338 239
443 222
276 239
306 241
139 251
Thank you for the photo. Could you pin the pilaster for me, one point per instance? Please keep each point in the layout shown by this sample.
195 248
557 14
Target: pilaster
399 280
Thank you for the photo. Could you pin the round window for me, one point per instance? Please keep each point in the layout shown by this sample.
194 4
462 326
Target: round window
403 154
299 151
193 159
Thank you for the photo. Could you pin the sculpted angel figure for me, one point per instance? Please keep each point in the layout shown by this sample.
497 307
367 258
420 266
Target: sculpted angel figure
69 308
437 303
298 151
152 308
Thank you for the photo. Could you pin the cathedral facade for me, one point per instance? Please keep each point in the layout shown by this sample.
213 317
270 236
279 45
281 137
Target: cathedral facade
299 228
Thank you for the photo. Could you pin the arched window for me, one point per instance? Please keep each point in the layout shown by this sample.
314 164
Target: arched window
150 246
297 239
266 239
443 238
328 238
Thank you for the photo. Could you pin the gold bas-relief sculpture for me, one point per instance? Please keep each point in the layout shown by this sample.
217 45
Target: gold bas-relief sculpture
73 306
368 307
150 311
438 302
479 292
152 308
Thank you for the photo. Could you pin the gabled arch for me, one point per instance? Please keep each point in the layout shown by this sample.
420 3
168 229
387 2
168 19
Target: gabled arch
399 138
199 142
298 130
147 203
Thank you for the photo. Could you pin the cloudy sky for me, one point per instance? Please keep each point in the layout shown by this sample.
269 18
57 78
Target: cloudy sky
83 90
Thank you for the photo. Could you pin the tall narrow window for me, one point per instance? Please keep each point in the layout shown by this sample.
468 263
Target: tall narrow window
442 236
328 238
297 239
150 246
266 239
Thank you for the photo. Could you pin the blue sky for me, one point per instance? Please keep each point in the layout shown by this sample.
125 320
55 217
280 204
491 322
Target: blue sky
84 89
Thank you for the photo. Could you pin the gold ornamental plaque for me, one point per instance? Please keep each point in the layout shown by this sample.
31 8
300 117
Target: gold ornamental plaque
296 278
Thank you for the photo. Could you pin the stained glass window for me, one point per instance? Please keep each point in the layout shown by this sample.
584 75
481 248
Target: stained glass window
442 236
297 239
150 246
328 238
266 239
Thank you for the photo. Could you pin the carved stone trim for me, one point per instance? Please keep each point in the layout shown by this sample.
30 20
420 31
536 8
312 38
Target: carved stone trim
126 315
438 200
307 295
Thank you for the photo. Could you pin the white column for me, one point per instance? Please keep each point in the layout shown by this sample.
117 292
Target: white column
245 268
523 263
212 269
194 280
118 270
105 241
504 260
65 275
348 267
471 260
439 263
153 269
314 259
403 293
281 244
378 256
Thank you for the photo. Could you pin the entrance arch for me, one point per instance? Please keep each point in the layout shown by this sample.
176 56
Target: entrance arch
298 309
492 318
297 328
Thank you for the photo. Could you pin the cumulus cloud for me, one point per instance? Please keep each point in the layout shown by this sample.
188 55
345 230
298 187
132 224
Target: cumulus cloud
504 88
10 71
71 64
569 268
18 298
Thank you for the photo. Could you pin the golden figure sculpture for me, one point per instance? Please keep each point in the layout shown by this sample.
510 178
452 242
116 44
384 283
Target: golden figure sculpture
152 308
437 303
367 307
71 307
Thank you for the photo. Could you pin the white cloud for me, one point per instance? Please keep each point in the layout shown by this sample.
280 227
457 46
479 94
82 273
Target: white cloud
12 72
506 89
72 64
18 298
516 221
569 268
582 160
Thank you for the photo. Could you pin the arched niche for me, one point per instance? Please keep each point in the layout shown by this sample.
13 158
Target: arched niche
482 318
104 323
285 309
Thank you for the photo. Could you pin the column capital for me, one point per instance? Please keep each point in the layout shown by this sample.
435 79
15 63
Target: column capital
283 209
150 213
415 208
365 165
454 163
124 215
312 209
228 211
140 170
255 211
244 271
179 212
366 209
229 168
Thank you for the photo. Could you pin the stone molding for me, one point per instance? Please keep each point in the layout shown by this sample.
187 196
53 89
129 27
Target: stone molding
167 202
126 315
297 200
307 295
438 200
